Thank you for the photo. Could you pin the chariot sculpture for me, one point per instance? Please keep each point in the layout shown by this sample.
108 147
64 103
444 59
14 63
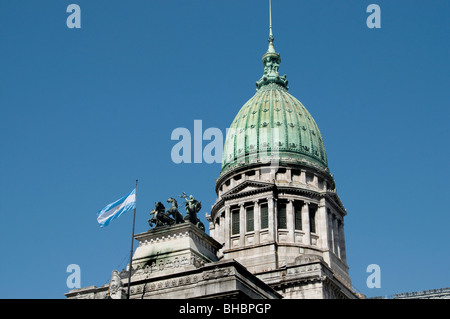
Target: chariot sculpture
159 216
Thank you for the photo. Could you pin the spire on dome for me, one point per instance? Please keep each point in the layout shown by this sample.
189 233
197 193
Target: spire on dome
271 61
271 47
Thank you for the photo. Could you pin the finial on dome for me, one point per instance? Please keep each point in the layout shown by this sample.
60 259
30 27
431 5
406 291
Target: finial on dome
271 38
271 61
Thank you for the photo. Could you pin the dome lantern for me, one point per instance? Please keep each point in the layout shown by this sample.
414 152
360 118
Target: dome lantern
271 61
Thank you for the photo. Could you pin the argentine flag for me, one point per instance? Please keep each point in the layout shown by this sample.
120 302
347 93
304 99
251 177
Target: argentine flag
114 210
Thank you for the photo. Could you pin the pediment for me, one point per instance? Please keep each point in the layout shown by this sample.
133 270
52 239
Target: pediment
248 187
334 200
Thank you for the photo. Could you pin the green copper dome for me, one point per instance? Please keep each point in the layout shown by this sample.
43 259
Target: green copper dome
273 125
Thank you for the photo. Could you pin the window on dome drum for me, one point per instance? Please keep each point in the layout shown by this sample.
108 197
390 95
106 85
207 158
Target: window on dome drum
298 215
250 173
312 219
281 216
264 216
235 221
250 218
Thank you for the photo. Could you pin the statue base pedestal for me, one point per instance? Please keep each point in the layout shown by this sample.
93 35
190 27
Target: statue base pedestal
170 249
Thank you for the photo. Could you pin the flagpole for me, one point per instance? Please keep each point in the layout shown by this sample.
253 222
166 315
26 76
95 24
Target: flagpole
132 240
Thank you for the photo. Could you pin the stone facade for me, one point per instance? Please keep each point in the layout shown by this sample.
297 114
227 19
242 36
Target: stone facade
443 293
276 228
273 220
180 262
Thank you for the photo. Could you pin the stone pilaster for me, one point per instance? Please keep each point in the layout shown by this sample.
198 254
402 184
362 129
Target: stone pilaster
315 181
290 220
330 230
227 227
257 222
336 236
322 225
289 175
242 225
222 228
271 208
303 176
305 223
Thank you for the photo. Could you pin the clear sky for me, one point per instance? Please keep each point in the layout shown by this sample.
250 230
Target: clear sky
85 112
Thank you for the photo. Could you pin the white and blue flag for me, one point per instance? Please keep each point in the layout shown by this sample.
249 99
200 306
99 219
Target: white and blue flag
114 210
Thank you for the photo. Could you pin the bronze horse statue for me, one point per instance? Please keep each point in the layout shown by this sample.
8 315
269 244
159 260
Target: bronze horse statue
159 216
173 211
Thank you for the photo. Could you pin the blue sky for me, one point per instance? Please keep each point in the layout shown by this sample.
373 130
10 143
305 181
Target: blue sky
85 112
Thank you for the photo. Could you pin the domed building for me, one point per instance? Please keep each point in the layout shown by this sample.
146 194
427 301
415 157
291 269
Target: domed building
277 208
276 229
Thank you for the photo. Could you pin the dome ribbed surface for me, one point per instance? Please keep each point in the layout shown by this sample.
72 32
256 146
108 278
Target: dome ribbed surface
273 125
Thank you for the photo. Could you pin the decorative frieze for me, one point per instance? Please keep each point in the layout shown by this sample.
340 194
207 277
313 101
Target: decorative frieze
169 263
181 280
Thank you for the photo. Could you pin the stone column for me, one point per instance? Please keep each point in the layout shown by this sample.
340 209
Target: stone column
289 175
257 222
330 231
273 173
227 227
212 229
315 181
271 205
290 220
302 176
322 224
305 223
212 225
336 236
222 227
241 224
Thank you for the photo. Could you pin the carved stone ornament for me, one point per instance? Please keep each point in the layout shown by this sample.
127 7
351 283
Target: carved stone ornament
116 290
